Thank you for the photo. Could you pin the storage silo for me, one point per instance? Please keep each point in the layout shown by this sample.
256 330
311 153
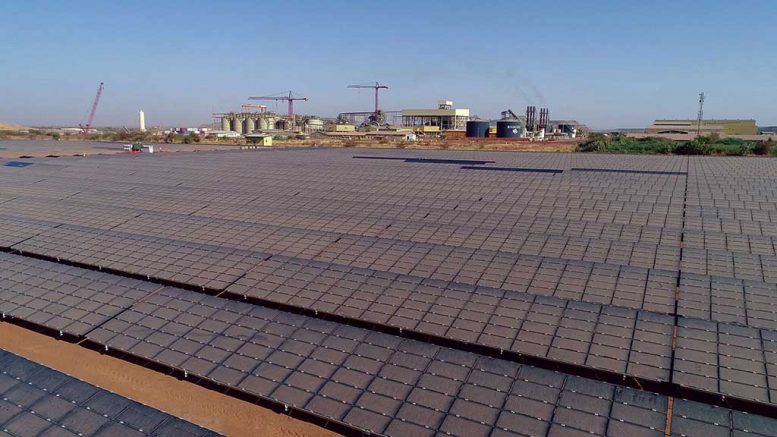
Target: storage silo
249 125
477 129
237 125
509 129
225 123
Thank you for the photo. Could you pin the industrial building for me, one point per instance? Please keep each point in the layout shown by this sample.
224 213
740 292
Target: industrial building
446 117
720 127
259 139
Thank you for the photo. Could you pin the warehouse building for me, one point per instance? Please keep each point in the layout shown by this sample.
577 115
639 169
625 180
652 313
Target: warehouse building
720 127
446 117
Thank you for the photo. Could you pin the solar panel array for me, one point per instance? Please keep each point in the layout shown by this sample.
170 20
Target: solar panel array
345 285
38 401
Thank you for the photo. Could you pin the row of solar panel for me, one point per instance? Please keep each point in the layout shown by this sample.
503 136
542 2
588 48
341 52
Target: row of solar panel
470 272
721 263
38 401
217 268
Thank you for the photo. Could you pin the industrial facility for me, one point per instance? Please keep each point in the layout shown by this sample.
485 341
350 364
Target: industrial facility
444 122
529 126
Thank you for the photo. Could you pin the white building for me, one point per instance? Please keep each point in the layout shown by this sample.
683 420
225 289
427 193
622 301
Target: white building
446 117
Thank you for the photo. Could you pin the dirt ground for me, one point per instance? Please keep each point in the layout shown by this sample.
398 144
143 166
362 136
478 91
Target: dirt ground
207 408
495 145
15 149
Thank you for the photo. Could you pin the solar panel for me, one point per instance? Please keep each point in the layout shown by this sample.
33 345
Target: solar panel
654 270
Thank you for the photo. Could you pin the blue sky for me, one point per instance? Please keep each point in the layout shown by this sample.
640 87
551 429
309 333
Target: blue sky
606 63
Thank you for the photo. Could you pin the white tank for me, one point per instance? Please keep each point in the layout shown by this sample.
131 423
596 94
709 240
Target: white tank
249 125
225 123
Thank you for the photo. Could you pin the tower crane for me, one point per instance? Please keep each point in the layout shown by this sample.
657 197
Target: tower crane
377 87
85 128
376 117
290 98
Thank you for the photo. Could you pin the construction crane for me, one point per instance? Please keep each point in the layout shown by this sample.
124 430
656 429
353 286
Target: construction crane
377 117
85 128
377 87
290 98
261 108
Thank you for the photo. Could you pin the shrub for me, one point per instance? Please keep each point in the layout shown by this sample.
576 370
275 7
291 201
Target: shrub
621 144
692 148
763 147
730 149
595 143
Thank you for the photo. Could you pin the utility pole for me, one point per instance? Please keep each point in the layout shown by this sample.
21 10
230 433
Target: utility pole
701 114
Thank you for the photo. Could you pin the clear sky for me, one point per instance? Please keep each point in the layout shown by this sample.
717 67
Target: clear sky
605 63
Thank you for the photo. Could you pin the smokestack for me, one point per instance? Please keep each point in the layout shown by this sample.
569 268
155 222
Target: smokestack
142 120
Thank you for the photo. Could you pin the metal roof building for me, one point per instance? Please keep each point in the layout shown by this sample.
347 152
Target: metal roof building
723 127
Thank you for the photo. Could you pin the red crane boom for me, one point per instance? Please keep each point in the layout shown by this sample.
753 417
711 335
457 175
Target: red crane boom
290 98
85 129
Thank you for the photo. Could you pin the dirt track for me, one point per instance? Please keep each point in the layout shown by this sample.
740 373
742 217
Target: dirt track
188 401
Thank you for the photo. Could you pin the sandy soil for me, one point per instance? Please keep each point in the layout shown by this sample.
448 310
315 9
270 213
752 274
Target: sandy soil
198 405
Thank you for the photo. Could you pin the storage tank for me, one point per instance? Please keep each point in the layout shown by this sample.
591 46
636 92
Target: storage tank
477 129
262 123
249 125
270 122
509 129
225 123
